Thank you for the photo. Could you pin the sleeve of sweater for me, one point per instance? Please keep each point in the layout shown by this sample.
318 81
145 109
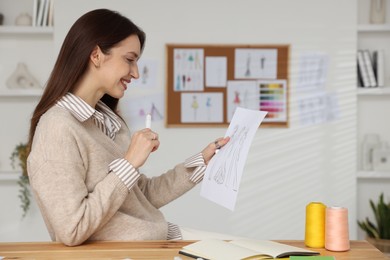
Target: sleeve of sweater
167 187
129 175
57 175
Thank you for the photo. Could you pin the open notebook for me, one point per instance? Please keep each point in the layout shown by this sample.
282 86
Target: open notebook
247 249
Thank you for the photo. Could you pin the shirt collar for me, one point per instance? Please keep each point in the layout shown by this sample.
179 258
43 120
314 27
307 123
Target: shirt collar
83 111
78 107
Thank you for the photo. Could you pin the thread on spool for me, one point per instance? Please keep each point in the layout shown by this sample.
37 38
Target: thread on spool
336 229
315 225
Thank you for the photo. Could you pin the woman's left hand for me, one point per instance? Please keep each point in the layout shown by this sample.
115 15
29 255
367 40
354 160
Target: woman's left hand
211 149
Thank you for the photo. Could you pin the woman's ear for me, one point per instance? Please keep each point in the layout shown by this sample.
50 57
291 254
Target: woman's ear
96 56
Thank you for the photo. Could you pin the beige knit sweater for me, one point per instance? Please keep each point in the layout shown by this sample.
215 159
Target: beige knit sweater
78 198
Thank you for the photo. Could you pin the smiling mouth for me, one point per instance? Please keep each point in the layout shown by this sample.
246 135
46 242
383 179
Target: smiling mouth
124 83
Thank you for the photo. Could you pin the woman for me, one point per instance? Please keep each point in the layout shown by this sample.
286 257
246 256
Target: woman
83 165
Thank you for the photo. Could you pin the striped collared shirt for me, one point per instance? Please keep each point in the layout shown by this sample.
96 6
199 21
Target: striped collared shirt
109 123
103 117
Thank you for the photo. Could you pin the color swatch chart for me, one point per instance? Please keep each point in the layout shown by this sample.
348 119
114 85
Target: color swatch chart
272 97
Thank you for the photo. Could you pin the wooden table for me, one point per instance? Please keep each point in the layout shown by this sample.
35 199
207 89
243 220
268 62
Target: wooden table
161 250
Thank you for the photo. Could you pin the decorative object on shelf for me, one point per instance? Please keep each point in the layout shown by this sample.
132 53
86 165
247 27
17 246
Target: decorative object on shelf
370 142
22 78
23 19
381 157
378 11
20 153
1 18
378 234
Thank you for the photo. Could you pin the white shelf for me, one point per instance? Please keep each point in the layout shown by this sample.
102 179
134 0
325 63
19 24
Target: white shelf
373 175
20 30
373 28
21 93
9 176
373 91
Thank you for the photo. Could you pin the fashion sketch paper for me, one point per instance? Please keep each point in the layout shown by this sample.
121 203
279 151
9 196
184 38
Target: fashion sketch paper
223 173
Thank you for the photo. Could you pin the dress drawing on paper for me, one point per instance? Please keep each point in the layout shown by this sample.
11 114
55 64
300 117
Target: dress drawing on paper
226 172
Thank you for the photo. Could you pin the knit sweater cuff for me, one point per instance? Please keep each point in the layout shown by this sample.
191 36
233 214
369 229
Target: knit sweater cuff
196 161
125 171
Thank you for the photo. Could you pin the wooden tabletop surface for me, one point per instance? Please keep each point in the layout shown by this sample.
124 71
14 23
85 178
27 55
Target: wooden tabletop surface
161 250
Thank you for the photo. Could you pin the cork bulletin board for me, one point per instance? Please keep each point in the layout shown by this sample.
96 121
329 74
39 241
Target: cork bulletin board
205 83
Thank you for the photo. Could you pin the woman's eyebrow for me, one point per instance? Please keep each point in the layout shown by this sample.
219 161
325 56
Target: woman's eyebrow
133 53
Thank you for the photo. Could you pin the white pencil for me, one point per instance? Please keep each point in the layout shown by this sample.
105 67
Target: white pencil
148 121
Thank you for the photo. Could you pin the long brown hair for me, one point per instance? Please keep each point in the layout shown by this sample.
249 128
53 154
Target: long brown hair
100 27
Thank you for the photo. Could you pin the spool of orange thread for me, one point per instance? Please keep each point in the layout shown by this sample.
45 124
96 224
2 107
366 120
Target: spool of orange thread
336 229
315 225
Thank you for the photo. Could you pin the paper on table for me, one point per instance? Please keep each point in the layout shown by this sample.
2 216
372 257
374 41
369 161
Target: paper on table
223 174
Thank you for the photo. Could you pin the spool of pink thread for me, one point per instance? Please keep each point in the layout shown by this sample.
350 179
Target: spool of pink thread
336 229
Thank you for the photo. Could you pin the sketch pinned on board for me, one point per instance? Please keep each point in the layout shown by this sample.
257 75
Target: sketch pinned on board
318 107
150 110
223 173
313 68
147 74
22 78
201 107
255 63
209 107
134 110
188 69
195 106
312 108
333 109
241 93
216 71
264 95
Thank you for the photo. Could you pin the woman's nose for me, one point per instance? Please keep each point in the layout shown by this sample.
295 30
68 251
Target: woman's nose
134 72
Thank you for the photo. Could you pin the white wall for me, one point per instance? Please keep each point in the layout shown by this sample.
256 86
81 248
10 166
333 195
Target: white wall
286 168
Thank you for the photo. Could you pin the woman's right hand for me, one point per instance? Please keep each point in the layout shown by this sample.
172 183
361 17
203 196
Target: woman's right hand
142 143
